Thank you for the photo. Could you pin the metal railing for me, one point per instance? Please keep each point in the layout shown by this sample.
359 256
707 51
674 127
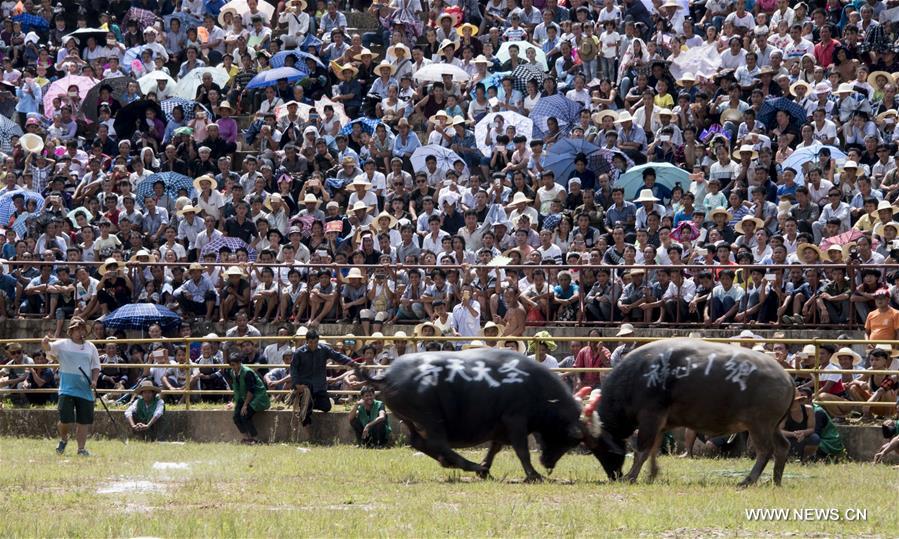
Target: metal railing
187 391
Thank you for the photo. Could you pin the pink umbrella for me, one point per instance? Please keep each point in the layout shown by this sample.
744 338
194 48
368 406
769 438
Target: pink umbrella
847 237
61 87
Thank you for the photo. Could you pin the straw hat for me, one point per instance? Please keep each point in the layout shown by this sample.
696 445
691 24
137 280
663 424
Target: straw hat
493 325
358 205
420 327
686 77
399 47
234 271
457 120
274 197
835 358
474 344
439 115
646 196
300 5
836 249
520 347
301 332
807 351
198 182
747 218
544 338
383 214
845 88
376 338
76 322
354 273
878 230
108 264
311 199
624 116
341 71
625 330
874 75
598 117
800 84
359 181
365 52
519 198
384 63
146 385
356 342
888 348
141 254
452 16
723 211
225 105
481 59
800 249
447 43
738 153
469 26
886 114
188 208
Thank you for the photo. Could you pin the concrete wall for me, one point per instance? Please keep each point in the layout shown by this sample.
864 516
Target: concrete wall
279 426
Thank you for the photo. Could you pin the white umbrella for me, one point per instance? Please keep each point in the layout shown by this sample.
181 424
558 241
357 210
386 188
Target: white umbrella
523 126
701 61
445 157
148 84
239 7
434 73
338 110
523 46
303 111
187 86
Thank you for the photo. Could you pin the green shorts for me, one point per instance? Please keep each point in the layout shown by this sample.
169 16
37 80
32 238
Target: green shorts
75 410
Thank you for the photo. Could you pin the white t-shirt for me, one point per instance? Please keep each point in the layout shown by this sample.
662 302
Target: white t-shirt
73 359
609 44
548 361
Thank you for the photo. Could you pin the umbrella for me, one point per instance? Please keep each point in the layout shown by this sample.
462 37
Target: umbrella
338 109
141 316
128 116
148 83
232 243
666 174
81 35
523 46
303 111
143 18
564 110
279 58
8 130
188 20
189 107
214 7
368 125
188 84
239 7
810 154
768 112
173 181
845 238
310 42
61 86
491 81
133 54
31 22
525 73
119 86
560 157
434 73
445 157
523 126
7 208
270 77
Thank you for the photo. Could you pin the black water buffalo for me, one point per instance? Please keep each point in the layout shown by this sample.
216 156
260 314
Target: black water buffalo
709 387
464 399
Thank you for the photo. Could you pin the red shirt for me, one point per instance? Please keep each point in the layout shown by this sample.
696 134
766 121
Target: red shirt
587 359
824 52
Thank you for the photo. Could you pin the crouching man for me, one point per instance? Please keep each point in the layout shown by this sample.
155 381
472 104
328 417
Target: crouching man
145 411
369 420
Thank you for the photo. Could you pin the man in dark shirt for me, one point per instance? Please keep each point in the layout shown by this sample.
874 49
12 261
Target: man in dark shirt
240 226
308 375
452 219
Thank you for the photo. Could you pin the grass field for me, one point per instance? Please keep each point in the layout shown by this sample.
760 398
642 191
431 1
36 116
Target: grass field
222 490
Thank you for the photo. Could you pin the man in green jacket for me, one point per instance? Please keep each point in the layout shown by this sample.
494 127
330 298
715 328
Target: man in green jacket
250 396
146 410
369 420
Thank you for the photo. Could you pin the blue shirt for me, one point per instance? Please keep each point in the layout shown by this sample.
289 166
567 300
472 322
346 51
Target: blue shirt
401 148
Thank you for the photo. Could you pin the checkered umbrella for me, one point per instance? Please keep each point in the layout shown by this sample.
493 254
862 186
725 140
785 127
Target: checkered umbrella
279 58
564 110
561 155
768 112
118 85
143 17
368 125
141 316
311 41
233 244
189 107
214 7
173 181
31 22
8 130
7 208
525 73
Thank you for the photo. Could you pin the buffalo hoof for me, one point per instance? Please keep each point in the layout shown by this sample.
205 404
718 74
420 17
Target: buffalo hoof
745 483
483 472
534 478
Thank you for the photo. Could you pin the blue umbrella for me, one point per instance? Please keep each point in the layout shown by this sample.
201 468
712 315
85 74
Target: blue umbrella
368 125
141 316
666 174
188 106
7 208
187 20
8 130
560 157
232 243
564 110
173 181
311 41
279 58
131 55
214 7
31 22
270 77
802 155
768 112
492 81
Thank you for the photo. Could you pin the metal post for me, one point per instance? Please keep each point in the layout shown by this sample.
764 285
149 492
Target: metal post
815 380
188 380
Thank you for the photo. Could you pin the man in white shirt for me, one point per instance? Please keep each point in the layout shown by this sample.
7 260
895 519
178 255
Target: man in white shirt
466 317
297 21
734 56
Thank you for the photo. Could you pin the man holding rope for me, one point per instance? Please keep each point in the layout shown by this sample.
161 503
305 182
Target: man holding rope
76 398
